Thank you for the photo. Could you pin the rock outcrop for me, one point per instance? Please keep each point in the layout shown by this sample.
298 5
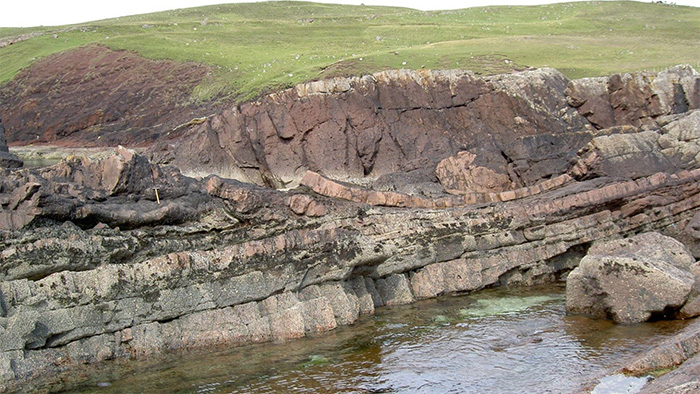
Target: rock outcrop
634 152
392 129
377 125
7 159
458 175
635 99
145 260
681 353
247 264
96 96
635 279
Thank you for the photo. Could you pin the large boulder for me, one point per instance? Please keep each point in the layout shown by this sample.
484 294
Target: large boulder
632 280
7 159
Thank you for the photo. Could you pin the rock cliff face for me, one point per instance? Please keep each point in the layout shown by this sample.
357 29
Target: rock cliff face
378 125
635 99
7 159
393 128
144 260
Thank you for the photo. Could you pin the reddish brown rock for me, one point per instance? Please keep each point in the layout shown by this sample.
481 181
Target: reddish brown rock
306 205
635 98
351 128
223 263
458 175
95 96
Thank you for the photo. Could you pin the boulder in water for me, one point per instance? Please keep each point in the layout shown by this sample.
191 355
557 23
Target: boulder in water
632 280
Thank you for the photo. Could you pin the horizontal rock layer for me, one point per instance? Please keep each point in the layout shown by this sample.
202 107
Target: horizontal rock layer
521 128
118 258
324 273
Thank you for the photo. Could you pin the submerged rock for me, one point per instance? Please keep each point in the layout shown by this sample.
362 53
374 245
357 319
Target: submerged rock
632 280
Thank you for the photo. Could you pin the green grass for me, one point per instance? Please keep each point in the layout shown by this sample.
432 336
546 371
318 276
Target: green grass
259 47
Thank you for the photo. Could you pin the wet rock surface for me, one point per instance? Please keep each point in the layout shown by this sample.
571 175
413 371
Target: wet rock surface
677 358
119 257
683 380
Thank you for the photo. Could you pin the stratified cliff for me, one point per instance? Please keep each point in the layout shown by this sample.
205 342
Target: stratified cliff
394 127
378 125
462 183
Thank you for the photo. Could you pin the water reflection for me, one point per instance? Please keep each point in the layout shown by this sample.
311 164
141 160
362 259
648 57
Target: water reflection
502 341
39 163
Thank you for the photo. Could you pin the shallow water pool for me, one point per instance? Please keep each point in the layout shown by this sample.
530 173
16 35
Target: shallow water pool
495 341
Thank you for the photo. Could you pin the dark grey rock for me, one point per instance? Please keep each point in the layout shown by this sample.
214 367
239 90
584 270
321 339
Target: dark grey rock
7 159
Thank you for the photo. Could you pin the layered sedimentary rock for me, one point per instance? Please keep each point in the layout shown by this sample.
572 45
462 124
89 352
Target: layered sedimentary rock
680 354
395 127
377 125
145 260
249 267
637 98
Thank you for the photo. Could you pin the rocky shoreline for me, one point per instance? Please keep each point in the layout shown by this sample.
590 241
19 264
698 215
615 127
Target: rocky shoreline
7 159
120 258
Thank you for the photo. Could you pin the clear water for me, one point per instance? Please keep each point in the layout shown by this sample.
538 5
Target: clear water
495 341
39 162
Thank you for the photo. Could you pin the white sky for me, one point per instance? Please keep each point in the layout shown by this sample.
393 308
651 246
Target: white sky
25 13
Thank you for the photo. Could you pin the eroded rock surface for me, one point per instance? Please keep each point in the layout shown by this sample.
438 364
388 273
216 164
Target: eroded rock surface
246 264
143 260
380 124
632 280
635 99
458 175
634 152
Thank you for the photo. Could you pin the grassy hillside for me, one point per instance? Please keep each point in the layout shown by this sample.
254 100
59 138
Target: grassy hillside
258 47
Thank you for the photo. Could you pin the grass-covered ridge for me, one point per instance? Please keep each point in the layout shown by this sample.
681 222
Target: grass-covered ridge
258 47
